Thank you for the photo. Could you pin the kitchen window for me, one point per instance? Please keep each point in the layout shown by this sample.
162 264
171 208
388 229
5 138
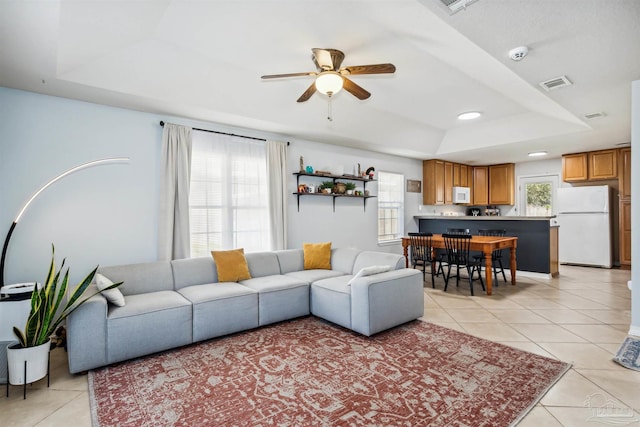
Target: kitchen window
390 207
538 194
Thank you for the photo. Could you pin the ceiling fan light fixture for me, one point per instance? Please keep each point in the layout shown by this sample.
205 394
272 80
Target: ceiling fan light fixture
469 115
329 83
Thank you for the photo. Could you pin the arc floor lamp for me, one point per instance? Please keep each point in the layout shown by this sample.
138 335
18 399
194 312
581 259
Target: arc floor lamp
37 193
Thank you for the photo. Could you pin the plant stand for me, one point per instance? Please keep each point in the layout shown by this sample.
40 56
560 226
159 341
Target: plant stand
24 385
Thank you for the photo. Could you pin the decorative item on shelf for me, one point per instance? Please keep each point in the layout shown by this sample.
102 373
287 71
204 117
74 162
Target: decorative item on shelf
366 193
301 164
311 189
350 186
340 188
28 359
309 169
369 172
302 188
327 187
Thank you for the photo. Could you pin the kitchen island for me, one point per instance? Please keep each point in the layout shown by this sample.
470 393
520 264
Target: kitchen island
537 237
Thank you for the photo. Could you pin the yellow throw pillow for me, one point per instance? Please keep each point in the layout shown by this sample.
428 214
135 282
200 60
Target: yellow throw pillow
317 256
231 265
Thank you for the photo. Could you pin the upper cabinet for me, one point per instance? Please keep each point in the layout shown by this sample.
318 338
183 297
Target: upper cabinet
448 183
502 184
433 182
591 166
480 185
603 164
574 167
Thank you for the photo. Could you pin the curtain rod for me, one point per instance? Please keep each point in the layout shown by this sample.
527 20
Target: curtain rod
224 133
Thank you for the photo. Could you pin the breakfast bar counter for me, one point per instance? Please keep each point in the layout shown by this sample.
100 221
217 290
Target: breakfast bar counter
537 237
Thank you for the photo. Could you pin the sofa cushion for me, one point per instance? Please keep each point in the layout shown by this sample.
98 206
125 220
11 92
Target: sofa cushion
231 265
114 296
331 300
368 271
193 271
141 278
311 276
342 259
276 282
317 255
290 260
221 309
280 297
369 258
149 323
263 264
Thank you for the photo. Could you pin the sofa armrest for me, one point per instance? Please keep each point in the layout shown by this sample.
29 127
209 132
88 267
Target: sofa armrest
87 335
382 301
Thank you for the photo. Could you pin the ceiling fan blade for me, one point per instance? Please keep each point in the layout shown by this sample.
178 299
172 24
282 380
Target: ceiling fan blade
354 89
307 93
277 76
369 69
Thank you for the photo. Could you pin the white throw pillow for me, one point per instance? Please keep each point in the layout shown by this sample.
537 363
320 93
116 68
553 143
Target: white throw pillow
114 296
368 271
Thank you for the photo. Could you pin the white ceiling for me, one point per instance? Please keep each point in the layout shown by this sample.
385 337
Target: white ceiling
203 60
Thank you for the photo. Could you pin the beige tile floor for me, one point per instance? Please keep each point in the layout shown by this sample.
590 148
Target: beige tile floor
580 317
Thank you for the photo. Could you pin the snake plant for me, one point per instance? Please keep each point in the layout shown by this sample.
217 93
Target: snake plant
47 310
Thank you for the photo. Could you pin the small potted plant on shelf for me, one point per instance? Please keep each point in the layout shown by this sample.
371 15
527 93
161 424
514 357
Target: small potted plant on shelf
47 313
350 186
327 186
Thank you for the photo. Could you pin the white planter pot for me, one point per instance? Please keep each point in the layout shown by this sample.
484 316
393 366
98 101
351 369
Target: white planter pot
37 363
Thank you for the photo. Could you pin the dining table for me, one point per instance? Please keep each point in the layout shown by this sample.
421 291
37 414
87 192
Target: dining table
484 244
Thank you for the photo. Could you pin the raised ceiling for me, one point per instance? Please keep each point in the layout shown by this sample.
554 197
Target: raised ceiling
203 60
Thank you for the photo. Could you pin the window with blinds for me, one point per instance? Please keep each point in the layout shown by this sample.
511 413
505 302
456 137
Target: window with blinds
228 200
390 206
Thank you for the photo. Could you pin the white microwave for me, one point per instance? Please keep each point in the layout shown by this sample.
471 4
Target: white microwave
461 195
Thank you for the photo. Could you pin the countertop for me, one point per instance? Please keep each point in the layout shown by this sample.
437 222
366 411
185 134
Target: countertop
487 218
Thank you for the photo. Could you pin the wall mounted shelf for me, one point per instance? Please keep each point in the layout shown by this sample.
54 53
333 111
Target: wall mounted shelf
334 178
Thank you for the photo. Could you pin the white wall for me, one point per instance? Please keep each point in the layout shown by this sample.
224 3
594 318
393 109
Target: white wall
350 225
635 207
108 214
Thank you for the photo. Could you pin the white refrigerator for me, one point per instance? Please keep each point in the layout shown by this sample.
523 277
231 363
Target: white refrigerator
584 217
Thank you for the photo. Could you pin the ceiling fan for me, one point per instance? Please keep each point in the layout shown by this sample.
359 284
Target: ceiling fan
330 78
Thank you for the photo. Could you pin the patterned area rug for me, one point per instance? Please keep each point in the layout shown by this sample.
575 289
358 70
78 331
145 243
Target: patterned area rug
629 354
310 373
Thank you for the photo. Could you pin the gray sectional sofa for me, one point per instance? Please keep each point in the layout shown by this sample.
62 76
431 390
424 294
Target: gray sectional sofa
171 304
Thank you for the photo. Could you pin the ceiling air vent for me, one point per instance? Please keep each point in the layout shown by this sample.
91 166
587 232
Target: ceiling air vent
594 115
456 5
556 83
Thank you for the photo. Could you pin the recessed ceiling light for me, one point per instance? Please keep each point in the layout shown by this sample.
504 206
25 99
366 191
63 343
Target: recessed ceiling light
538 153
469 115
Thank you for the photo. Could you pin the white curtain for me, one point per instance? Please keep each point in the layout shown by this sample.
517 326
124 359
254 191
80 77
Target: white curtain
277 173
175 176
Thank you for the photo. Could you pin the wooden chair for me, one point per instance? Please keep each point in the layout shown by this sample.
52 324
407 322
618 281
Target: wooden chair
496 256
421 255
457 246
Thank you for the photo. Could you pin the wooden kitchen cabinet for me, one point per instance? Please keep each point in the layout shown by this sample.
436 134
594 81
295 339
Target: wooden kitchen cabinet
602 164
625 233
480 185
433 182
502 184
448 183
624 178
464 176
574 167
456 175
624 183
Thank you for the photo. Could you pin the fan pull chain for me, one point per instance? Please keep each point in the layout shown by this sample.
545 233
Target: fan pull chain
329 112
